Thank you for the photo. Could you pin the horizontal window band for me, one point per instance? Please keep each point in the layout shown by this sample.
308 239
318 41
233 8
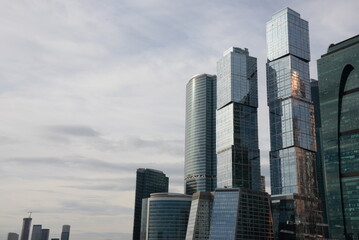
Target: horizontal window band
353 131
350 174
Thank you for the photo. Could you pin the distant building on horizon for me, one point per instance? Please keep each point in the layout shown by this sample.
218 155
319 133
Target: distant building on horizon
295 202
338 78
45 233
238 161
12 236
263 183
167 216
36 232
147 181
200 136
65 234
25 231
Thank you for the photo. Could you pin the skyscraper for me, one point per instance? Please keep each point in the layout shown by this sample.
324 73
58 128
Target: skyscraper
200 144
338 77
292 156
167 216
65 234
25 231
13 236
241 214
238 163
36 232
147 181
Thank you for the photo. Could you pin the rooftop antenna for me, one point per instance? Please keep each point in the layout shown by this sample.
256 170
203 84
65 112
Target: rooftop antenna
29 214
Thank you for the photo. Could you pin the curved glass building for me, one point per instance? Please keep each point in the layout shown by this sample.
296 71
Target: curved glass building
200 144
167 216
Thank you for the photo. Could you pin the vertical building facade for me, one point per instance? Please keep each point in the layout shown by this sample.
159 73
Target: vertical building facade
65 234
200 141
147 181
36 232
199 221
338 77
25 231
12 236
241 214
238 163
167 216
292 129
45 233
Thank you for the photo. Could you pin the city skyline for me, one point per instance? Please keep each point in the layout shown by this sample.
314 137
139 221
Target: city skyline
71 143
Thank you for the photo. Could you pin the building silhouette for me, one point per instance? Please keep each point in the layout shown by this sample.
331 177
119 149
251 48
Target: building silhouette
36 232
238 163
25 231
200 140
45 233
12 236
65 234
147 181
296 206
338 77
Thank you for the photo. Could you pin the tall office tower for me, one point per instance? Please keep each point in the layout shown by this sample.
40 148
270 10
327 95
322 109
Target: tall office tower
241 214
199 221
167 216
45 233
65 234
200 144
319 162
338 72
292 156
36 232
147 181
238 163
13 236
25 231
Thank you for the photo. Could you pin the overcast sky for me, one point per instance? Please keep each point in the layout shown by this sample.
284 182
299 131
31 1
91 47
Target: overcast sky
92 90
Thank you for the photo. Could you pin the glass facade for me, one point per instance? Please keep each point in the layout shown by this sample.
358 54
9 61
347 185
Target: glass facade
147 181
339 95
238 162
25 231
241 214
168 216
200 153
199 221
292 125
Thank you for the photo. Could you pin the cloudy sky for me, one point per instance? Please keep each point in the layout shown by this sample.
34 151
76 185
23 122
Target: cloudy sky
92 90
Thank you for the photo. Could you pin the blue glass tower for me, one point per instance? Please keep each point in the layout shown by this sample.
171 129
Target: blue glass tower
338 78
200 144
292 129
238 163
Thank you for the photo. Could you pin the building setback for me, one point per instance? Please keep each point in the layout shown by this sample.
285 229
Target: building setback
147 181
338 77
296 206
167 216
241 214
238 163
200 140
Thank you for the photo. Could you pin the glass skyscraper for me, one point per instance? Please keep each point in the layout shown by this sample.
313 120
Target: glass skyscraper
65 234
241 214
238 163
167 216
200 150
338 77
25 231
292 129
147 181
